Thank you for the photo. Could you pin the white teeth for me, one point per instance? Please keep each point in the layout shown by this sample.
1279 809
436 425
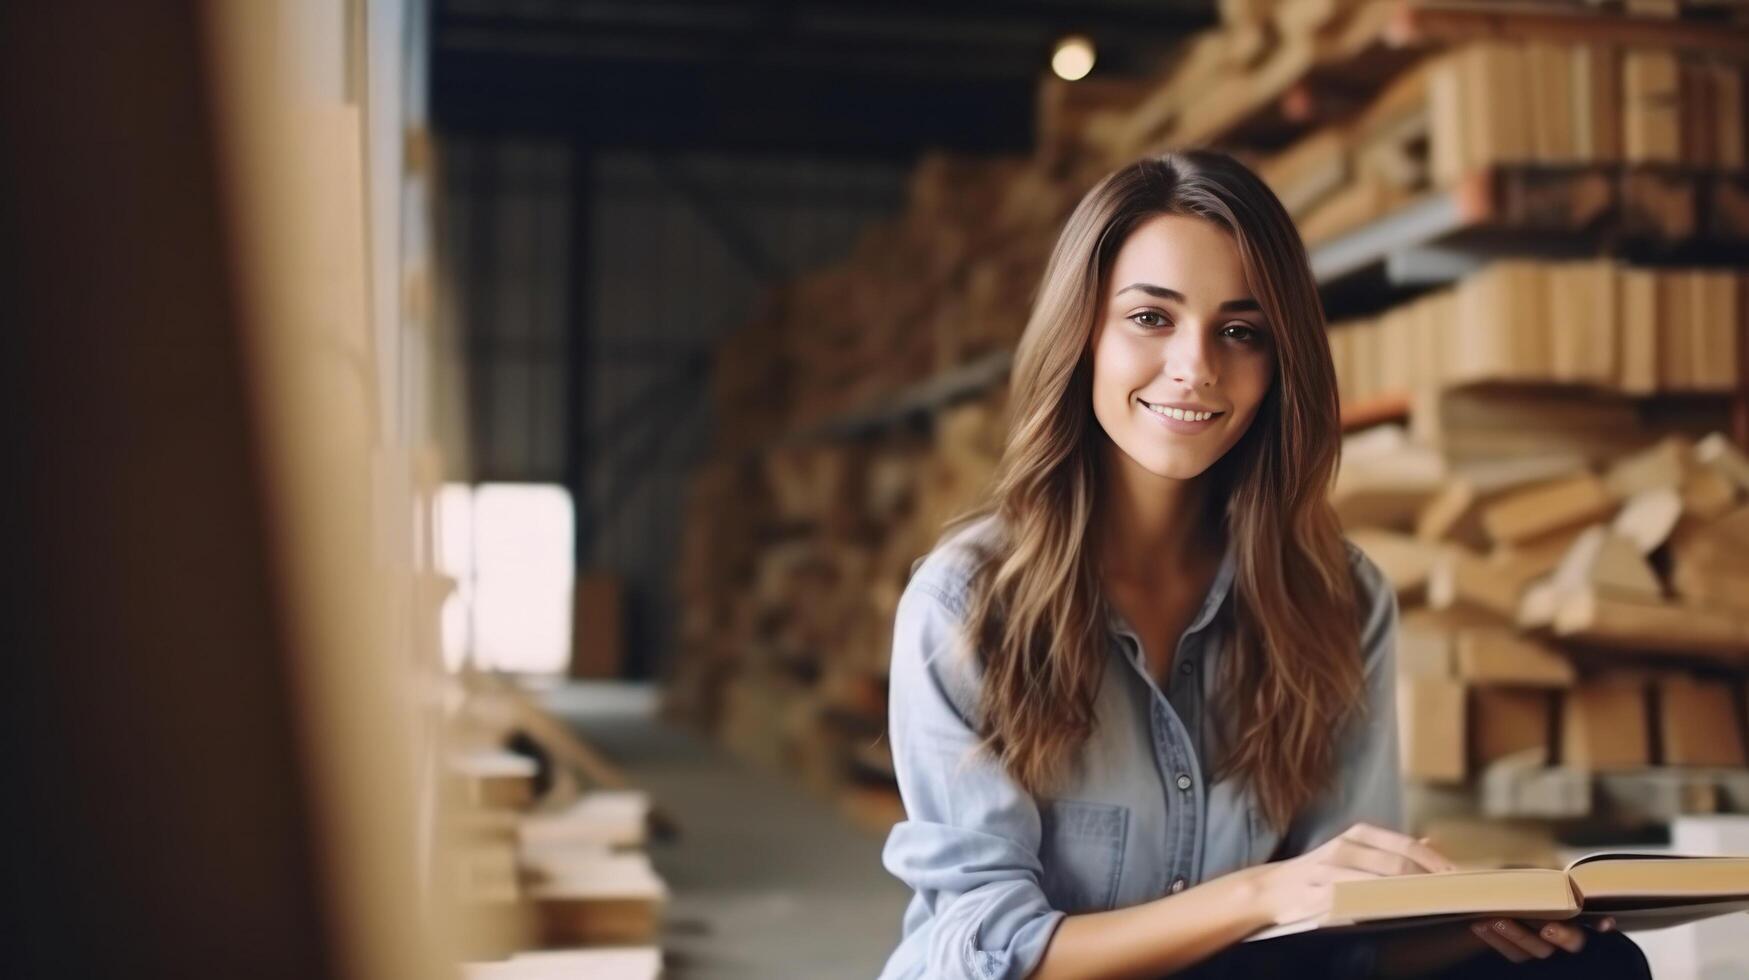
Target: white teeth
1179 413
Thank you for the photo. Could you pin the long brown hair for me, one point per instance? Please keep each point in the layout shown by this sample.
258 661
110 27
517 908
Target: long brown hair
1036 615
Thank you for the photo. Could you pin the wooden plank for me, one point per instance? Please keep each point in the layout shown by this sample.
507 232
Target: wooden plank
1539 510
592 896
1431 714
1604 726
1651 106
601 818
1650 627
617 963
563 743
1462 579
1507 721
1502 656
1697 722
1430 24
494 779
1405 560
1386 406
1648 518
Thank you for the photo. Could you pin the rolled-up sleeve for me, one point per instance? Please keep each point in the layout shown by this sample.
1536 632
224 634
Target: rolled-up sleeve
1368 787
969 843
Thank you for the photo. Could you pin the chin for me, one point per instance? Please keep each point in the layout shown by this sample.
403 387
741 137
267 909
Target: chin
1174 466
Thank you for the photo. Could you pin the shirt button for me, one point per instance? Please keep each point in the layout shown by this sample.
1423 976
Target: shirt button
1185 668
1183 781
1177 885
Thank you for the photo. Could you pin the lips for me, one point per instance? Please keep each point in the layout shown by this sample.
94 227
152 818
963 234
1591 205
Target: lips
1187 424
1184 413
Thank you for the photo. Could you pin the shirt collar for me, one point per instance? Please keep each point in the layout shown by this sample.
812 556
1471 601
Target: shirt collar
1211 602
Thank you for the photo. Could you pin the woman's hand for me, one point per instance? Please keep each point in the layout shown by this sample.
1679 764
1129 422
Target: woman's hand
1301 887
1530 939
1418 952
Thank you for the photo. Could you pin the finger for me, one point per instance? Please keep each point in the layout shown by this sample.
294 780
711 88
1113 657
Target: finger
1360 857
1430 858
1500 944
1353 854
1528 941
1331 873
1414 849
1607 924
1565 935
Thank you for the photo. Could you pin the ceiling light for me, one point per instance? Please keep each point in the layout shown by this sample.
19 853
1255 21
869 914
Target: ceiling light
1073 57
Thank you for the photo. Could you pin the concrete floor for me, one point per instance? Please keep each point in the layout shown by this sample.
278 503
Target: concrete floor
766 881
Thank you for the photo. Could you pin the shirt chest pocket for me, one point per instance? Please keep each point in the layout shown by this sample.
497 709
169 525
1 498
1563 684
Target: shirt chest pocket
1081 846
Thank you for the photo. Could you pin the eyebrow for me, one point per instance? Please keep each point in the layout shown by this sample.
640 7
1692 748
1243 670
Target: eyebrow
1230 306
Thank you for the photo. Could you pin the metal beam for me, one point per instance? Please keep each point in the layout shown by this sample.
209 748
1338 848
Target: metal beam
690 107
740 243
577 331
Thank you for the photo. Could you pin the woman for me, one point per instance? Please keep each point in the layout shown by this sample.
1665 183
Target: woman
1143 698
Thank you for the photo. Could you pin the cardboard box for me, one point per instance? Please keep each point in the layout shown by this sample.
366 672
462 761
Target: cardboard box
1603 725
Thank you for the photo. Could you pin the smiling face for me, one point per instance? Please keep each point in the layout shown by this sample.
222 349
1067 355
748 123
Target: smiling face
1178 336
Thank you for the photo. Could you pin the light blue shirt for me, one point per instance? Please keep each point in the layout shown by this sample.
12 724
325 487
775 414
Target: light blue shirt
995 869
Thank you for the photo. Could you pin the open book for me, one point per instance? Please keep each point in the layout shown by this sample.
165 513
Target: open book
1642 891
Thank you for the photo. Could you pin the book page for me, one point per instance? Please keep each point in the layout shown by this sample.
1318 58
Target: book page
1526 891
1420 899
1621 879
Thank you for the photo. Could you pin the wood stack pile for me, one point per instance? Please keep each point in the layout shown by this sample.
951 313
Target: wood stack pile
551 872
1599 323
1352 108
789 669
1575 628
909 303
1647 116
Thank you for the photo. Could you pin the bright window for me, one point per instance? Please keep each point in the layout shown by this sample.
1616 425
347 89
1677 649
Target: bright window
509 548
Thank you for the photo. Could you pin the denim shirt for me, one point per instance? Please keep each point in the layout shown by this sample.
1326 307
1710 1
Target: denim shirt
995 869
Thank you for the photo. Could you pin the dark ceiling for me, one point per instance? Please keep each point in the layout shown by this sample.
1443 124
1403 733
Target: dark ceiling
855 77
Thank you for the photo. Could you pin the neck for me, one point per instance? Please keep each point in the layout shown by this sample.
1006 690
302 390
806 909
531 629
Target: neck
1150 525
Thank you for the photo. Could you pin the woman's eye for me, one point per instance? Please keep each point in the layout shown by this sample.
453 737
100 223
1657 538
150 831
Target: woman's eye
1241 332
1149 313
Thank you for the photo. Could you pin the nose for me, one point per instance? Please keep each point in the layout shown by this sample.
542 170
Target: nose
1190 359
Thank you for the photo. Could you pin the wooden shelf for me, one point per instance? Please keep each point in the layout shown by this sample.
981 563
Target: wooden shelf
1389 407
1320 80
926 396
1537 210
1456 23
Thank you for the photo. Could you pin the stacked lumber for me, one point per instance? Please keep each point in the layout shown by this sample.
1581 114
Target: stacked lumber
788 670
948 279
1564 618
547 846
1344 174
1497 104
908 303
1642 331
1587 104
